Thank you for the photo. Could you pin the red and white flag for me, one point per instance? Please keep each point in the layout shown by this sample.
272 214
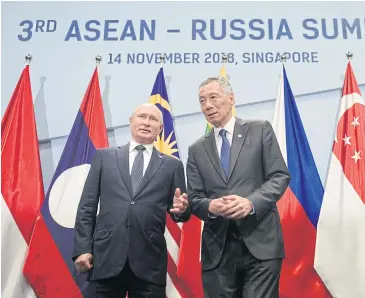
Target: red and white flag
340 244
21 187
189 266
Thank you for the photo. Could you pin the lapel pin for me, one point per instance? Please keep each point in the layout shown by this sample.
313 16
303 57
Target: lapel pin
160 156
240 136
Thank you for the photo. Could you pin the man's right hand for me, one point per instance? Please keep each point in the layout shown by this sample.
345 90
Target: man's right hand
83 263
215 206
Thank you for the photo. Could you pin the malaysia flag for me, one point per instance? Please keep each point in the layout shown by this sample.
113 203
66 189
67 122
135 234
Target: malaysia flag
49 267
299 207
340 247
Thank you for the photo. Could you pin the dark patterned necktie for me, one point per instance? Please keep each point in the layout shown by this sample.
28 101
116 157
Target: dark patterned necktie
225 151
137 169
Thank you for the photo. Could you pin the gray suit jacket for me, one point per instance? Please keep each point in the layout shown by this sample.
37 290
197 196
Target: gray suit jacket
127 225
257 172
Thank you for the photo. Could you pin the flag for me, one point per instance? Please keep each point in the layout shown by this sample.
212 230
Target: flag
299 207
167 144
49 267
189 267
340 247
189 264
21 187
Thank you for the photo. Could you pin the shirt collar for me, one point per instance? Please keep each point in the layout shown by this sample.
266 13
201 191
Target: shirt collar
229 127
133 144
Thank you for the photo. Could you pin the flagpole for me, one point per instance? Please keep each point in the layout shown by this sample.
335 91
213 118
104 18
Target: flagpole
162 60
349 55
224 58
98 59
283 59
28 58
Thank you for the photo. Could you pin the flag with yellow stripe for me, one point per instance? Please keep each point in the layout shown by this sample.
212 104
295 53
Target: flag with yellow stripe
167 144
166 141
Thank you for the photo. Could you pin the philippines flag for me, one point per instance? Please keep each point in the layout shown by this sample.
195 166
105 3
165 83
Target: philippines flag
340 247
21 187
300 205
49 267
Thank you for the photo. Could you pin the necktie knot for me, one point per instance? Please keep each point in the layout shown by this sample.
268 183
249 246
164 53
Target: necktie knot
140 148
223 133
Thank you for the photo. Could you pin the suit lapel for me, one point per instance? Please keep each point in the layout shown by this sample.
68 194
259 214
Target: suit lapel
239 136
211 149
153 166
122 155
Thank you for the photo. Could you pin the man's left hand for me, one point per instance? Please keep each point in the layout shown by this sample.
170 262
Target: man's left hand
180 202
236 207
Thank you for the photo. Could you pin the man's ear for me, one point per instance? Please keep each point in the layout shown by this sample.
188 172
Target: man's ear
161 128
231 99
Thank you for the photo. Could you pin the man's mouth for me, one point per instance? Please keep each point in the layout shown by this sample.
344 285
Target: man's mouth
144 130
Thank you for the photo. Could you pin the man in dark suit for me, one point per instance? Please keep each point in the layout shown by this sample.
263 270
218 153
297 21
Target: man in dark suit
123 248
235 175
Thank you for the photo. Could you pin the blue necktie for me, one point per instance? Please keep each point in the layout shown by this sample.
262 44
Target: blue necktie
137 169
225 151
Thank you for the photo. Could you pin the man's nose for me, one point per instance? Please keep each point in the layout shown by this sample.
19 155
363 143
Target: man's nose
208 105
146 122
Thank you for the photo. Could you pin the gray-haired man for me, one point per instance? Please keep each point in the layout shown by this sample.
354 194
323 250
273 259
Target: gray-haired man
235 176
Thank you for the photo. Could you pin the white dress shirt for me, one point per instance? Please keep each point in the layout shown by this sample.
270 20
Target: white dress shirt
229 127
133 153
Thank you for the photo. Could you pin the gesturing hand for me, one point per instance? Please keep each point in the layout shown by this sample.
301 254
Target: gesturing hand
180 202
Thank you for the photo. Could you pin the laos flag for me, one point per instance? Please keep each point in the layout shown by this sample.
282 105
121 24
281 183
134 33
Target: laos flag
300 205
49 267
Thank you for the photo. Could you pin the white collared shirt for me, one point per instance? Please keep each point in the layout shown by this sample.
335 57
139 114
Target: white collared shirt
229 127
133 153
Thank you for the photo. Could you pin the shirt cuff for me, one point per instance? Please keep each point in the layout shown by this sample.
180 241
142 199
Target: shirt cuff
253 209
212 216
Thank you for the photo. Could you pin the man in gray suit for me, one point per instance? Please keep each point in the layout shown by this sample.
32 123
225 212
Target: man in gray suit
123 248
235 175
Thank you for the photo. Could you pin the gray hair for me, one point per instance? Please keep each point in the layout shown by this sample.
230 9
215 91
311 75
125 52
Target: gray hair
222 81
147 104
